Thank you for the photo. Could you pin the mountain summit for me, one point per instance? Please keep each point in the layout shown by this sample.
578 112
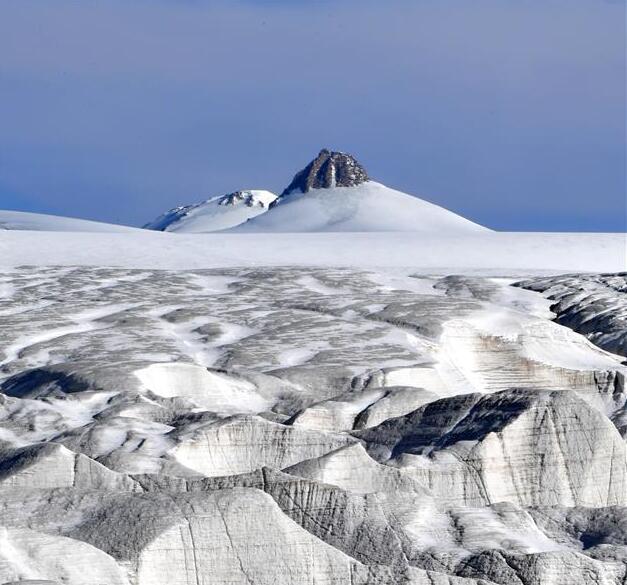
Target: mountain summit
333 193
328 170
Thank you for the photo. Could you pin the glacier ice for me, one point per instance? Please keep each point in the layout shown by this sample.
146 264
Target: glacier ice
301 425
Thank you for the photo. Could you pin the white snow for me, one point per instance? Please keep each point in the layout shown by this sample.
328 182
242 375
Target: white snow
542 340
316 285
50 414
296 356
367 207
27 556
79 323
431 527
20 220
217 213
520 299
211 390
490 253
190 342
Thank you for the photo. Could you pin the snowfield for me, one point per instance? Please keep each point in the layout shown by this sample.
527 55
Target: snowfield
19 220
488 252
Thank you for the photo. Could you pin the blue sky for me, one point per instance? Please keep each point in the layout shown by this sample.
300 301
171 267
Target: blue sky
510 112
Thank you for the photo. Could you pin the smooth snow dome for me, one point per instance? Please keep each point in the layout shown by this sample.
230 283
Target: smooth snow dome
19 220
215 390
217 213
369 207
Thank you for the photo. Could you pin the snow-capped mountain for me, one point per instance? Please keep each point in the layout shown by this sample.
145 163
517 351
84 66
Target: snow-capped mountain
333 193
214 214
19 220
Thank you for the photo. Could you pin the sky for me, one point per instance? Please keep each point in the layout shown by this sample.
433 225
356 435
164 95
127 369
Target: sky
509 112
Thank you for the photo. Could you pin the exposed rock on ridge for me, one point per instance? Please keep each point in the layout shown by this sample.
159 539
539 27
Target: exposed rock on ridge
248 198
215 213
329 169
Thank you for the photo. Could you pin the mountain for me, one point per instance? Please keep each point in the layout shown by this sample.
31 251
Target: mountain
217 213
329 169
19 220
334 193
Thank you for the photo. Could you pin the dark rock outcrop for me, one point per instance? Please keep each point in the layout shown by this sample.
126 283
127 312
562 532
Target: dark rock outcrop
329 169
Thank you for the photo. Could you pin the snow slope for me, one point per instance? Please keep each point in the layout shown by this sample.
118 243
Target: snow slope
19 220
367 207
217 213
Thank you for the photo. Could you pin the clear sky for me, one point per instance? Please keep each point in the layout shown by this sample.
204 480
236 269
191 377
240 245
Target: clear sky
510 112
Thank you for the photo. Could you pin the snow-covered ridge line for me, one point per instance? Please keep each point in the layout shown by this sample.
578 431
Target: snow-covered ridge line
215 213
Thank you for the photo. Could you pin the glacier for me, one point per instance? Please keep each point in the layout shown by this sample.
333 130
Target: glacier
304 424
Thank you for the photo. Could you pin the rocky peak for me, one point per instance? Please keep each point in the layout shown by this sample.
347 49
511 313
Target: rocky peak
248 198
329 169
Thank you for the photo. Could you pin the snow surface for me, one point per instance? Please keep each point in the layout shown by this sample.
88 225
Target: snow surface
217 213
212 390
20 220
369 207
495 253
121 388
